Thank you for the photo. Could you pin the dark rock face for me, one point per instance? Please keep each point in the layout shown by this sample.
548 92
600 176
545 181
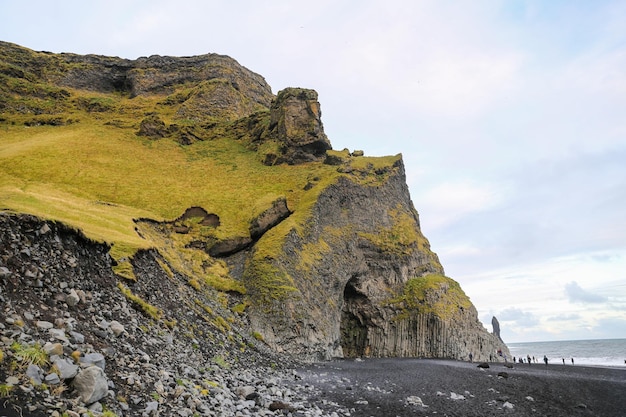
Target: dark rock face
496 327
347 267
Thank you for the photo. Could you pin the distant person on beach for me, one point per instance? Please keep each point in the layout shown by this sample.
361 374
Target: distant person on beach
563 361
471 357
528 357
545 359
572 361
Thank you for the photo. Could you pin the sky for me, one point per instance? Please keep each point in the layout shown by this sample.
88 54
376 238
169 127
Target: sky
510 116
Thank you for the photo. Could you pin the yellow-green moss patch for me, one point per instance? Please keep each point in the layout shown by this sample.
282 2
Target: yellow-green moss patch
436 294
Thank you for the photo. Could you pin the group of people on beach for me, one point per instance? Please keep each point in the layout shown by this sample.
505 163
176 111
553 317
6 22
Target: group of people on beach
527 360
532 359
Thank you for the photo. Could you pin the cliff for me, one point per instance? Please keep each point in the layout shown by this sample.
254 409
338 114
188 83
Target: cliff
193 165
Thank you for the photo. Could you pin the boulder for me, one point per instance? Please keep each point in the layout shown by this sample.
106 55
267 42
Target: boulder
269 218
91 384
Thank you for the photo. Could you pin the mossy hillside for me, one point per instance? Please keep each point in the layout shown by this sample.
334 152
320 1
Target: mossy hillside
431 294
74 156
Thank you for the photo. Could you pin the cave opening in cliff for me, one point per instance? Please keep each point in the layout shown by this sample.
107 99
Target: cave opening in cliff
353 321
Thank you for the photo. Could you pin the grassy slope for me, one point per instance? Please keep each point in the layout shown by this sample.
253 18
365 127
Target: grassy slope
94 173
98 178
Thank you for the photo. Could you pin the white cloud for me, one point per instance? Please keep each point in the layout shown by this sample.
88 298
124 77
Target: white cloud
576 294
450 201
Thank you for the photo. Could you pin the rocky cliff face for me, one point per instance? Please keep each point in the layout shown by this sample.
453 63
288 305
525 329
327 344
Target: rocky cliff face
350 269
334 266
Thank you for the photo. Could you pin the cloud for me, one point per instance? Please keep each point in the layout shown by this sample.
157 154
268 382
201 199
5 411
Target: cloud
518 316
576 294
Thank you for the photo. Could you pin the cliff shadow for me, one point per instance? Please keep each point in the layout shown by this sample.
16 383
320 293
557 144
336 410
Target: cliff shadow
354 321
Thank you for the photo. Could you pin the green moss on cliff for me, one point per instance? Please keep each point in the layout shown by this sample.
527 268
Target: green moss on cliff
401 237
267 284
431 294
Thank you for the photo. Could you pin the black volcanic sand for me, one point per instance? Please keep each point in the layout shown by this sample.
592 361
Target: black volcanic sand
380 387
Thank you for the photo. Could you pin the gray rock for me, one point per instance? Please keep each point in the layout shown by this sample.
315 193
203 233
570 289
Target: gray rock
72 298
4 272
53 349
91 384
11 380
58 334
151 408
116 328
44 325
244 391
77 337
96 359
67 369
53 379
35 374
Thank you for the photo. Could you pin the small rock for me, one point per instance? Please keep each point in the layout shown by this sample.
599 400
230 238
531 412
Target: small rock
503 375
243 392
151 408
455 396
529 398
96 359
35 374
77 337
44 325
58 334
67 370
52 378
415 400
116 328
11 380
4 272
483 365
72 298
96 407
53 349
508 405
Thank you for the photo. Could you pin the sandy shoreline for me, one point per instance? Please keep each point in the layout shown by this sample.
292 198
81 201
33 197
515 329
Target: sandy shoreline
399 387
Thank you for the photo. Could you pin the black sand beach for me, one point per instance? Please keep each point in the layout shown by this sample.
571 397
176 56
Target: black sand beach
399 387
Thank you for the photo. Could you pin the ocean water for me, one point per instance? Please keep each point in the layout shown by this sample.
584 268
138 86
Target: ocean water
598 352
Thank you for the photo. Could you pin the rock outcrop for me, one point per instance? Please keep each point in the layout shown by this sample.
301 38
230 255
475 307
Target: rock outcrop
296 122
495 324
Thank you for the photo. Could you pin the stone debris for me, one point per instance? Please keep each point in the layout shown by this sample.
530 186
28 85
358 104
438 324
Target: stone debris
415 400
508 405
455 396
100 352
